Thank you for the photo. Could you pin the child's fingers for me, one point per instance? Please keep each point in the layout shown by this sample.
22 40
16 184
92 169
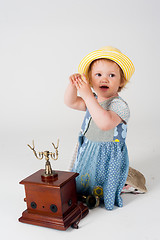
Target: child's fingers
84 78
80 82
73 77
77 84
71 80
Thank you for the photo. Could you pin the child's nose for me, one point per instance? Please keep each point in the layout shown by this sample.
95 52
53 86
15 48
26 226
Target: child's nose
105 79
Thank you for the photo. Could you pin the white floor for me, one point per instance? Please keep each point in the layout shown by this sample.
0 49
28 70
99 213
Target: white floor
138 219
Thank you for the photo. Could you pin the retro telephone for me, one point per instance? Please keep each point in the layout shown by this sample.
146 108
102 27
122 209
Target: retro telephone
51 196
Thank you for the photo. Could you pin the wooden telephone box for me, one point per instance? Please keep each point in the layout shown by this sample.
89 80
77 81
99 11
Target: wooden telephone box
52 202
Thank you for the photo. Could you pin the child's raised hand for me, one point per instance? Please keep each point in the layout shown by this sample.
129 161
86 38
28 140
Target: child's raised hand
83 86
73 78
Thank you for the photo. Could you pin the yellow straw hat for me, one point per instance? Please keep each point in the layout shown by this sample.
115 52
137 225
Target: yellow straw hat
110 53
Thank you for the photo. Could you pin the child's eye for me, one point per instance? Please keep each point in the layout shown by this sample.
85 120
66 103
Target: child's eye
98 74
111 75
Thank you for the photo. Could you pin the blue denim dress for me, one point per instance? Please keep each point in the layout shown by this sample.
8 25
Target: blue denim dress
102 158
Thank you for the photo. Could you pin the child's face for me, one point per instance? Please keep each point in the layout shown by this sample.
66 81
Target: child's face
105 78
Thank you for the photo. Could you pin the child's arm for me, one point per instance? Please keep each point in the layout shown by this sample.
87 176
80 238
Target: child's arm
104 119
70 97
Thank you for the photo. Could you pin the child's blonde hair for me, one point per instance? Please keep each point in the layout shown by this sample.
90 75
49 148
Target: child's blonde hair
123 79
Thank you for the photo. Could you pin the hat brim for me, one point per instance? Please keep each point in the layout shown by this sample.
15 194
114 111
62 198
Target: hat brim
122 60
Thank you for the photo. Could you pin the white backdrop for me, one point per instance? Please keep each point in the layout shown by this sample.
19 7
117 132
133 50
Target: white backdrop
41 45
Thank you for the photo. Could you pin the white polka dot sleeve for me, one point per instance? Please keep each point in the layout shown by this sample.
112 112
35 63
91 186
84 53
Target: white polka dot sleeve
119 106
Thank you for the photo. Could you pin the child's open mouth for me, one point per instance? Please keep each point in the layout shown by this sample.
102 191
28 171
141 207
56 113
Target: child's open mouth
104 87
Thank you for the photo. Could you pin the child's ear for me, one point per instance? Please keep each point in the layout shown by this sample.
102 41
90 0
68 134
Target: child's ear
122 82
90 83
